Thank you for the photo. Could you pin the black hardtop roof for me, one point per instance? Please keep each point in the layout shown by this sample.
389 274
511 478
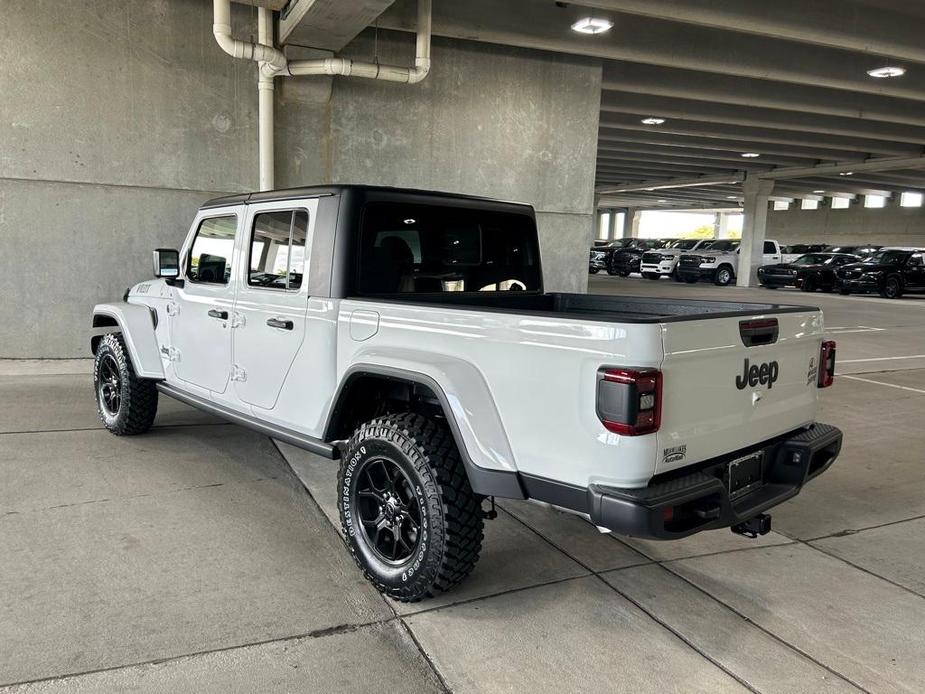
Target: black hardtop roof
315 191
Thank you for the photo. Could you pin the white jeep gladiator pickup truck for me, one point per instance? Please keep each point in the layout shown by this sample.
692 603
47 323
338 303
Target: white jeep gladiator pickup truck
407 334
720 262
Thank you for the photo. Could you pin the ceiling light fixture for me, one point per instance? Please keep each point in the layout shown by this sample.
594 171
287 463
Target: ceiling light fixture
818 191
887 71
731 197
846 173
592 25
750 155
653 121
663 201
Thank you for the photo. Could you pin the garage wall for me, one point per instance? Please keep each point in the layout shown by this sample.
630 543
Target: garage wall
892 225
117 119
488 120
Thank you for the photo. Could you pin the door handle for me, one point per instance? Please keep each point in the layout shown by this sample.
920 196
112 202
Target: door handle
279 323
216 313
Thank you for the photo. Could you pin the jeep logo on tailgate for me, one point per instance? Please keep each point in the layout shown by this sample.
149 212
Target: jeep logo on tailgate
752 375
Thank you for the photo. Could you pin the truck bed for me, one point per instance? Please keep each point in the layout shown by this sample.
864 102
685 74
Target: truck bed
622 309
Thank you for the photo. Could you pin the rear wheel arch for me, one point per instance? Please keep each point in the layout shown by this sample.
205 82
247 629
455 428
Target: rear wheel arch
369 392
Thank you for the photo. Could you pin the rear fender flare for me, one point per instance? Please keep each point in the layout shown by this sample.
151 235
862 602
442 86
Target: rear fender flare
136 325
467 404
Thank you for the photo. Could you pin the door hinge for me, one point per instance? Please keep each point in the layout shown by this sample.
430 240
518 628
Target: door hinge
172 353
238 319
172 309
238 374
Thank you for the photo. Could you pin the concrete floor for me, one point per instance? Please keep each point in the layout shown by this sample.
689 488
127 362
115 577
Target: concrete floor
203 557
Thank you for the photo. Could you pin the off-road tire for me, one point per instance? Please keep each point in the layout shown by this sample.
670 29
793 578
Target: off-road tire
809 285
450 514
724 276
651 275
892 288
593 270
844 291
691 280
137 396
612 271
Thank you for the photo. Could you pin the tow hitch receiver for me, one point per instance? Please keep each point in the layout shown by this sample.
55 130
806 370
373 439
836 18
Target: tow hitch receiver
753 527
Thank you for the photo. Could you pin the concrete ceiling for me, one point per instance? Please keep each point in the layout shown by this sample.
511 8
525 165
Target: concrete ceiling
786 80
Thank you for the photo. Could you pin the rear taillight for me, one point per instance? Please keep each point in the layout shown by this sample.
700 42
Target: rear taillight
629 401
827 364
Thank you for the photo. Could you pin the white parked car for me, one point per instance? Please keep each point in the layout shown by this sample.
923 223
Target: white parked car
663 262
720 263
407 335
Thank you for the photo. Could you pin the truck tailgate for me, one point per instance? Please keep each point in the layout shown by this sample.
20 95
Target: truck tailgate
728 383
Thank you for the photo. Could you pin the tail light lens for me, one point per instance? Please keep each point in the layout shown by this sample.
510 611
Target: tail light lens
827 364
629 401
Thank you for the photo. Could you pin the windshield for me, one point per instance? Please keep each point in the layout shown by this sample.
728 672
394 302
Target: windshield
886 258
618 244
812 259
684 245
724 246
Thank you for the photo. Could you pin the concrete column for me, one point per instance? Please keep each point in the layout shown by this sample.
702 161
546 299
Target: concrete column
721 226
757 192
631 220
612 225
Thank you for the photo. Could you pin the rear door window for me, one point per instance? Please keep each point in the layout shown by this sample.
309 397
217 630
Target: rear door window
276 259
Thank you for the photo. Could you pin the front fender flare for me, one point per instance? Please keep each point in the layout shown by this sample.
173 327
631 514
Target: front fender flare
137 327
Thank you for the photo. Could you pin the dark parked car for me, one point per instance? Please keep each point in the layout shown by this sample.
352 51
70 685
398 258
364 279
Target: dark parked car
628 259
601 255
808 272
890 272
862 251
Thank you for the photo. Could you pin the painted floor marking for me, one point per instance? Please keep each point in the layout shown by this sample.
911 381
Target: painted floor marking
858 361
881 383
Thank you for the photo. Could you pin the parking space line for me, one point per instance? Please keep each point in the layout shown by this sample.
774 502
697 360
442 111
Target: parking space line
881 383
858 361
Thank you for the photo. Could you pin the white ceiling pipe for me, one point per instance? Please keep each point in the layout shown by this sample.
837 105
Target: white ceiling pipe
273 59
273 62
392 73
265 107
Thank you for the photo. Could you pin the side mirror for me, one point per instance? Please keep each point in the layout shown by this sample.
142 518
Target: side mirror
166 263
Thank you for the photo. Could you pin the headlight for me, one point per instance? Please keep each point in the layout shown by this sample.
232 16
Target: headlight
709 260
873 274
792 272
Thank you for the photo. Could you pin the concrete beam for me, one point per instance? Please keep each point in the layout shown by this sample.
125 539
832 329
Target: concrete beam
618 138
756 193
666 107
884 32
677 183
328 24
680 155
879 164
634 78
688 126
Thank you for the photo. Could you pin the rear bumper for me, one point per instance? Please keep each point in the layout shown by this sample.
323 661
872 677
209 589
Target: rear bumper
858 285
678 506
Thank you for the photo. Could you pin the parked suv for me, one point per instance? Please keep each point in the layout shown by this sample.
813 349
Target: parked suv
628 259
890 272
664 261
600 256
408 336
720 264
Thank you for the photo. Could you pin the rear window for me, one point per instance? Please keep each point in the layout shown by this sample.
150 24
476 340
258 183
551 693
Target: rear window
412 248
